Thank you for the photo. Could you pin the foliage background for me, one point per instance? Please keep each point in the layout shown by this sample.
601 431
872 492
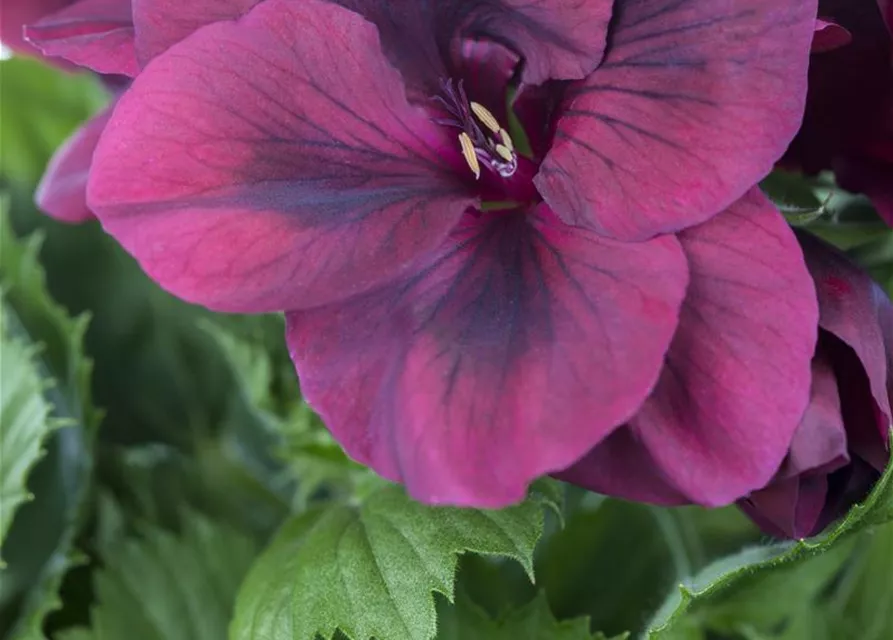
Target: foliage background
160 478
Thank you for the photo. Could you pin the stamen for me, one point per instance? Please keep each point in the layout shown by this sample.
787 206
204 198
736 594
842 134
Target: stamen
486 118
505 152
506 140
469 154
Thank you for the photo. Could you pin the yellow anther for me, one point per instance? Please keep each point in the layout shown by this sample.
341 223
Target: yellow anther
469 155
505 152
486 118
506 140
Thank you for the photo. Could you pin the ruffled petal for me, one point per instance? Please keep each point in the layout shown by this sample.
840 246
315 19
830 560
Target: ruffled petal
850 308
62 192
693 104
97 34
521 347
737 377
274 163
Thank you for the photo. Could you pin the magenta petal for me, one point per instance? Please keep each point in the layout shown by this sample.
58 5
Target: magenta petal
789 508
262 165
829 36
695 101
520 348
97 34
621 467
15 14
820 442
62 192
737 376
557 38
793 503
163 23
850 308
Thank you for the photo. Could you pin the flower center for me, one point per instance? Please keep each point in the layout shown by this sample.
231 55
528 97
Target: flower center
483 141
504 177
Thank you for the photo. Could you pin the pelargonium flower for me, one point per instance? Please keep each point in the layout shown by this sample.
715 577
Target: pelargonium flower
848 122
490 222
66 33
841 445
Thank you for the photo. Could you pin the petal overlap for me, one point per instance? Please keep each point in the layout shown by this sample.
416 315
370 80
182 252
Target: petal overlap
737 377
62 192
96 34
693 104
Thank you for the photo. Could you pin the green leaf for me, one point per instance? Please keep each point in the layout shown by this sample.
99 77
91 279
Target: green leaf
39 544
24 419
791 191
166 587
726 579
615 556
41 106
267 382
370 568
863 598
180 395
533 621
766 601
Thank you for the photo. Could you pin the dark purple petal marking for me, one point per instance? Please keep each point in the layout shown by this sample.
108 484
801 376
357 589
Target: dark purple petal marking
694 102
423 38
521 346
737 376
274 163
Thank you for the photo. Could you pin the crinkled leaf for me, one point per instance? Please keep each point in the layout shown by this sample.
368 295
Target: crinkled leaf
370 568
154 482
726 578
24 419
851 221
39 544
790 190
265 377
533 621
167 587
178 390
